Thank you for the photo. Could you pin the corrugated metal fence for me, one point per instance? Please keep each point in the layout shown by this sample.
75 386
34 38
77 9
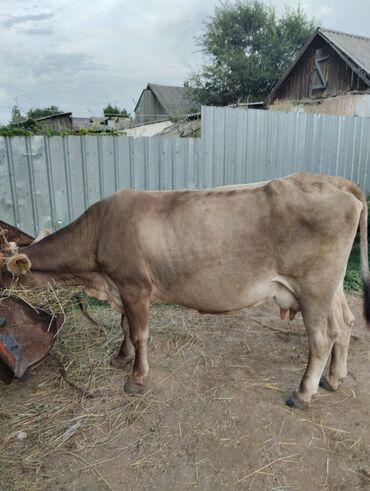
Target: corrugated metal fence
49 181
252 145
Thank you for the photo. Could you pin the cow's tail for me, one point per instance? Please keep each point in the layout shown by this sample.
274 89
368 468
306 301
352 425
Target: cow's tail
365 258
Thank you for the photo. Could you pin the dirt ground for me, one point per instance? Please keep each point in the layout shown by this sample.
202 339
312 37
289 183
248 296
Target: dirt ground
214 417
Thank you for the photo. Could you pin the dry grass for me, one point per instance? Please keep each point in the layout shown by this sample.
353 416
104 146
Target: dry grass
54 299
213 416
97 414
54 407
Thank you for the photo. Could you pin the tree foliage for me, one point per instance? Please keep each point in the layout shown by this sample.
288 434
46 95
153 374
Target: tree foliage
16 115
247 48
115 111
39 113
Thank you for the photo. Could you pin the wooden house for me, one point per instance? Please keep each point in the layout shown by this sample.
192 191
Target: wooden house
58 122
331 74
161 102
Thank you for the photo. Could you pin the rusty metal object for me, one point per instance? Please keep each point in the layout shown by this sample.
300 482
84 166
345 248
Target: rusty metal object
26 333
26 336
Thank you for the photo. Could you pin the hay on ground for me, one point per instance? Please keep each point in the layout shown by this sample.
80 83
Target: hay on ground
53 299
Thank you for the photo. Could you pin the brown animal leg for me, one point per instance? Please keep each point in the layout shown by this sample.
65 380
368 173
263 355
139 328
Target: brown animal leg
343 319
137 315
320 342
126 352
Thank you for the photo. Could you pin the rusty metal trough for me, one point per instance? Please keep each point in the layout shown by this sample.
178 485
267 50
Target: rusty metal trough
26 333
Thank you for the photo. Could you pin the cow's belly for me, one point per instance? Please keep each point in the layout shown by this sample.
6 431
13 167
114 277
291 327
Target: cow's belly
217 298
221 297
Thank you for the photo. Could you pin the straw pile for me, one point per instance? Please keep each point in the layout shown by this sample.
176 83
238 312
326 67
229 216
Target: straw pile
53 299
61 422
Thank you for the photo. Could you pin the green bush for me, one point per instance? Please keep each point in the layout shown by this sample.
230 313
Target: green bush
32 127
14 131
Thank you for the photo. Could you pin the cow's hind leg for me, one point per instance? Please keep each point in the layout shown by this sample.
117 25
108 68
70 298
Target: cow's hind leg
343 322
137 315
126 352
320 342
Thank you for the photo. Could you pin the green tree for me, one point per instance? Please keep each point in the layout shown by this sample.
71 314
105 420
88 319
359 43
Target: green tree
39 113
247 48
115 111
16 115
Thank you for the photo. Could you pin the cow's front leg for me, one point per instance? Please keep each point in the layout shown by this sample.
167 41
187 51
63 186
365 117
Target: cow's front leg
320 342
126 352
137 315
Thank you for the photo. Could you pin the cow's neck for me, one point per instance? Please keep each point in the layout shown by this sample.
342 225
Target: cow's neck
70 250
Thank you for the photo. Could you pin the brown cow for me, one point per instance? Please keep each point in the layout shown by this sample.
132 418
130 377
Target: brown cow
216 251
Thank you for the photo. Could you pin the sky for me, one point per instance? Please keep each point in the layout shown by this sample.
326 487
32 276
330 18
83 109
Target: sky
80 55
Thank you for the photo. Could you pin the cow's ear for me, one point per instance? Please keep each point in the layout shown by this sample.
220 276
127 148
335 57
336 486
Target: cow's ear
18 264
44 233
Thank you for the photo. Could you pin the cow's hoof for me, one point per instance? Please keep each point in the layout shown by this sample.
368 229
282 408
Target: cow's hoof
325 384
132 388
119 361
294 401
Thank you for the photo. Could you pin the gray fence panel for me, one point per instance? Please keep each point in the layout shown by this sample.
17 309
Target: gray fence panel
109 164
40 180
91 169
207 152
180 164
8 198
60 188
365 169
153 164
167 171
138 163
124 151
252 145
8 191
22 159
194 171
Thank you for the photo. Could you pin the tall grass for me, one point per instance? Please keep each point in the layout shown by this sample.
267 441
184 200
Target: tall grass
353 280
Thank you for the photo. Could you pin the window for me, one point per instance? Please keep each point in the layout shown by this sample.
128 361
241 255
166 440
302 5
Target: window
319 81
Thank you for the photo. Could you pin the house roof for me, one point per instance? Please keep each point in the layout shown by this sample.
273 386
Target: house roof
173 99
52 116
23 121
354 50
357 48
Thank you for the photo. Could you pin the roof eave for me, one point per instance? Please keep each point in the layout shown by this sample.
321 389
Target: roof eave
57 115
363 74
141 95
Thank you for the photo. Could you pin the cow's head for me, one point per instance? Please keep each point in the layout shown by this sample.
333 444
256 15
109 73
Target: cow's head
12 263
13 266
18 264
11 260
